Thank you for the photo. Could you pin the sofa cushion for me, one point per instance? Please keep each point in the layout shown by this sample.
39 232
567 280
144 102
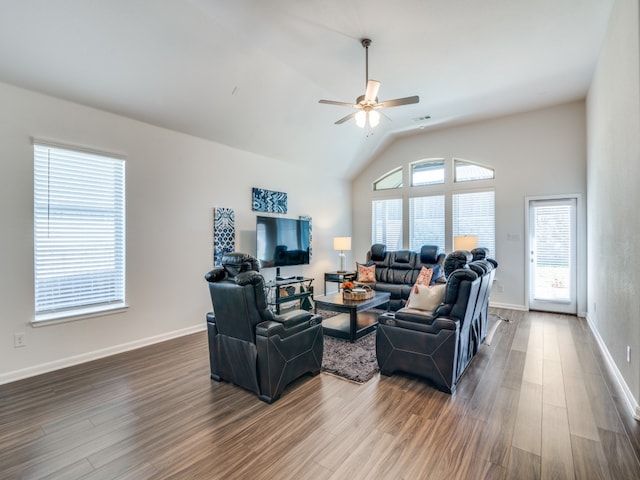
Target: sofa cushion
427 297
366 272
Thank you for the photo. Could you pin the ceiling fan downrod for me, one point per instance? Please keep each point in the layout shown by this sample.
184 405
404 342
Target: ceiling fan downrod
365 43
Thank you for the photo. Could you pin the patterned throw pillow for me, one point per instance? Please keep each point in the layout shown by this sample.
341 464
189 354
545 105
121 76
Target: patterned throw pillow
427 298
366 273
424 278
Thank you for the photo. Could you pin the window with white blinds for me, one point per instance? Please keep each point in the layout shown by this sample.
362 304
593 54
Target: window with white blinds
474 214
426 222
386 223
79 232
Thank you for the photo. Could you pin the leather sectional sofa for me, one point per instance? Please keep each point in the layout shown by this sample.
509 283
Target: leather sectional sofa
439 345
396 271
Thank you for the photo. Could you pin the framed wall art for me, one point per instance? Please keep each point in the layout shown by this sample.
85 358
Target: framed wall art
268 201
224 233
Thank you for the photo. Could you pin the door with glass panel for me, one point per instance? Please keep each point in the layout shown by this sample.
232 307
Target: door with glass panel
552 255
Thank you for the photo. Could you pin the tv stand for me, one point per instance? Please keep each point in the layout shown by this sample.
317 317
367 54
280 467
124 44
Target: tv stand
292 289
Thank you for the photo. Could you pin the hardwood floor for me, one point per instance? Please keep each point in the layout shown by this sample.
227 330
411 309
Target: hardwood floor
537 403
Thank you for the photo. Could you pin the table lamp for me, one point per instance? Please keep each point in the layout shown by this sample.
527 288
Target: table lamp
342 244
465 242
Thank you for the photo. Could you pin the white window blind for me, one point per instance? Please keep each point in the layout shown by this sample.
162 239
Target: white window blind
79 231
474 214
386 223
426 222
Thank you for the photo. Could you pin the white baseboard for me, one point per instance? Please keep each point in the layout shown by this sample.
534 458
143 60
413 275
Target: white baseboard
508 306
631 401
95 355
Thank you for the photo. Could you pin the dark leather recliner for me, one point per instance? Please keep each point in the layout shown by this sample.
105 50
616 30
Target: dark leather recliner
435 345
249 345
486 270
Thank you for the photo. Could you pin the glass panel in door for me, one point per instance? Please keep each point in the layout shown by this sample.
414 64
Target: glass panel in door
552 255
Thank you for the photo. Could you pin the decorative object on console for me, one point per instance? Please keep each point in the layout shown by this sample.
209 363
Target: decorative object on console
465 242
342 244
224 233
268 201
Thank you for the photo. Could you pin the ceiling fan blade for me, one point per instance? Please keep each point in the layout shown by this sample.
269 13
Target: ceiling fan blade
344 119
372 91
333 102
399 101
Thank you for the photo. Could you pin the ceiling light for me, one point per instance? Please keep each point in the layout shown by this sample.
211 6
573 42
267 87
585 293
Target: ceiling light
367 116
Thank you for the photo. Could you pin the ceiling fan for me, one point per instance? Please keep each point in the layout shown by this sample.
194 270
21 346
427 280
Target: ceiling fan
367 105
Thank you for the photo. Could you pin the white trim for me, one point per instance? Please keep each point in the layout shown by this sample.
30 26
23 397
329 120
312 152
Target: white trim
632 403
80 148
579 244
77 314
95 355
509 306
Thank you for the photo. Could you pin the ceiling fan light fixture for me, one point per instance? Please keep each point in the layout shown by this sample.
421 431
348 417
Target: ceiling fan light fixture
361 118
374 118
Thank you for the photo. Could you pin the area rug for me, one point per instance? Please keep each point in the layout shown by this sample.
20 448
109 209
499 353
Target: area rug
350 361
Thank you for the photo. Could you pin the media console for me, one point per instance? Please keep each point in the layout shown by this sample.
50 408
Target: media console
292 289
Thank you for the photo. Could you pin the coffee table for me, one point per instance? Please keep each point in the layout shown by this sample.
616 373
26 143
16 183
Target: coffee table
353 321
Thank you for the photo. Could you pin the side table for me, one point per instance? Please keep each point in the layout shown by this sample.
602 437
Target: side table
338 277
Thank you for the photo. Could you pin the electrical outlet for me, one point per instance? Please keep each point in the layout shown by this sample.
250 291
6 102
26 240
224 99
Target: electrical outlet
628 354
19 340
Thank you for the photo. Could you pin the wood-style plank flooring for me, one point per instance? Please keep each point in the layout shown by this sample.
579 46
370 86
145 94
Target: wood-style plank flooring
537 403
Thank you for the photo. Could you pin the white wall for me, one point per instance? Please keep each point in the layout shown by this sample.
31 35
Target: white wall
613 112
542 152
173 183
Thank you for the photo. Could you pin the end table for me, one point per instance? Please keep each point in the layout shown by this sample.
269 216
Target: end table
338 277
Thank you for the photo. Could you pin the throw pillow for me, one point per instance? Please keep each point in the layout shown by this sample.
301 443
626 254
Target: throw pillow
424 278
427 298
366 273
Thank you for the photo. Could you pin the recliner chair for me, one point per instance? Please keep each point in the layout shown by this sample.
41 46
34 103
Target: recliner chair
249 345
435 345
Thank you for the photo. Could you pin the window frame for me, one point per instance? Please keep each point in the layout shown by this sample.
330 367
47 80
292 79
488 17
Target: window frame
82 188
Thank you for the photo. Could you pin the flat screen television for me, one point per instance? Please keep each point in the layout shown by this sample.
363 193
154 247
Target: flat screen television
282 241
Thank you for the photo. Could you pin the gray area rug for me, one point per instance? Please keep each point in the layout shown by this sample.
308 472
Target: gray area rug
351 361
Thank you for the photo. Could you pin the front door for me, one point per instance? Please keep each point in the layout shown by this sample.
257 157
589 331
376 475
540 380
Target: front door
552 255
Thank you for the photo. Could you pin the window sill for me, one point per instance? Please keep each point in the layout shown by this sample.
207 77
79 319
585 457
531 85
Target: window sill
79 314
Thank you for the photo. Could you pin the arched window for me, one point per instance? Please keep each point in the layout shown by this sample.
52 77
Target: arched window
465 171
390 180
427 172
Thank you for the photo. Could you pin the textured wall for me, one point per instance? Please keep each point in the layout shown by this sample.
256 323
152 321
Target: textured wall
613 112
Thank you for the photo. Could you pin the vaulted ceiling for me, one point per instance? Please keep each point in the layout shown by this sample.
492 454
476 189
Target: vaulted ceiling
249 73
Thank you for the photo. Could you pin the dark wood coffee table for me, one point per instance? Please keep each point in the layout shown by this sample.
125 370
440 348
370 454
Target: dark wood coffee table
353 320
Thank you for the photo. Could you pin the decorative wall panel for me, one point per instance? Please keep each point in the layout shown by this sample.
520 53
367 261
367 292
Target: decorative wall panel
224 233
308 219
268 201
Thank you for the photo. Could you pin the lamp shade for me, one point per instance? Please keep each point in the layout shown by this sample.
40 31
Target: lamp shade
342 243
465 242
